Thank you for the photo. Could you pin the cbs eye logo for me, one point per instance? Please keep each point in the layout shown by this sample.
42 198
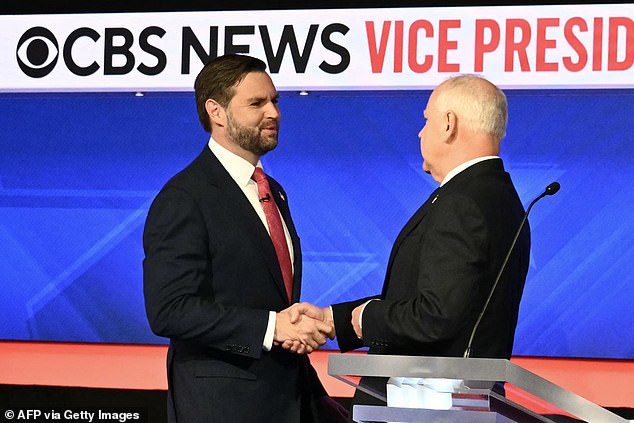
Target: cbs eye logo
37 52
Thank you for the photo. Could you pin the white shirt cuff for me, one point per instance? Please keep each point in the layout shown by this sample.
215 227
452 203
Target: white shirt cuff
270 332
362 310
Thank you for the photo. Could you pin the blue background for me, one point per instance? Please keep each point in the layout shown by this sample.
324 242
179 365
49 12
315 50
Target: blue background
78 172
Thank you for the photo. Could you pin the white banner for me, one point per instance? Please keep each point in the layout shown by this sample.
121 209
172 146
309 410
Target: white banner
583 46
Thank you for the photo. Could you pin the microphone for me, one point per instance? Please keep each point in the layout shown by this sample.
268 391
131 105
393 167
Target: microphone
267 197
550 190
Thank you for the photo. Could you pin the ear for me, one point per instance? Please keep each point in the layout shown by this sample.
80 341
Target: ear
216 113
451 126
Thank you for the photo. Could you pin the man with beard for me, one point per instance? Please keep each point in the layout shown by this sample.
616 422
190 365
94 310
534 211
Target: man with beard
223 263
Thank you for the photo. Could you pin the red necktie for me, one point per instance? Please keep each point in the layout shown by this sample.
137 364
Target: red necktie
276 229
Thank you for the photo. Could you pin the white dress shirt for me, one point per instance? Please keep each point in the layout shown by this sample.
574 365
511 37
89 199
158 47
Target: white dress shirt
456 170
241 171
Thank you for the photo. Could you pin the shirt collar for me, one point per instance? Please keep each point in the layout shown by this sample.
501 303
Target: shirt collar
456 170
239 169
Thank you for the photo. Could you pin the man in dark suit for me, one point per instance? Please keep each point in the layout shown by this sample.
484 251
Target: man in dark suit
221 267
446 258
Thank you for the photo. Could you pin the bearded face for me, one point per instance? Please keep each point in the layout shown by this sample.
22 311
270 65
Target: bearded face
259 139
253 116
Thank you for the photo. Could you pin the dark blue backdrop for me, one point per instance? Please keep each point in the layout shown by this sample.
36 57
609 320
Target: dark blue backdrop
78 171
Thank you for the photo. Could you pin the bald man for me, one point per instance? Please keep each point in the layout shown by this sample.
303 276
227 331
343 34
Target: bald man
446 258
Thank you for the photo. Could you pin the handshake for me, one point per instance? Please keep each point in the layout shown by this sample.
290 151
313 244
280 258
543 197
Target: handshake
303 328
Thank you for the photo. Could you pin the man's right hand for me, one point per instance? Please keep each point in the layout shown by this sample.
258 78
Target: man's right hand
298 331
300 311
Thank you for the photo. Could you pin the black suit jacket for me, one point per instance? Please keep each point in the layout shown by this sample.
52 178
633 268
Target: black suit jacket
441 269
211 277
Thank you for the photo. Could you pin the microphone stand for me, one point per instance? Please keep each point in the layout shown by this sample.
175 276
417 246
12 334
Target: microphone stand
550 190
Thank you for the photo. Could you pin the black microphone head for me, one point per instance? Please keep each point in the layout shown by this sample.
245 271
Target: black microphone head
552 188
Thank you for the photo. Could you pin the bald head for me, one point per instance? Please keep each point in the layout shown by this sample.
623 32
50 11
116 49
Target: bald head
465 119
479 104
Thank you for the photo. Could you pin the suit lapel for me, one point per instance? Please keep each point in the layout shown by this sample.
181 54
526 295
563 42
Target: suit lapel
239 205
486 166
417 217
280 200
412 223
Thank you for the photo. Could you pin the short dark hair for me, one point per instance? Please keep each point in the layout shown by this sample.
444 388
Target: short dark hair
218 78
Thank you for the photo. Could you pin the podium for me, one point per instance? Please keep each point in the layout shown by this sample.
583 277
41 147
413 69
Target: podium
472 392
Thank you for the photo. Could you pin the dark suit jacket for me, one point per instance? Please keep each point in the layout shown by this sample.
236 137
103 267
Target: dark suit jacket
441 269
211 277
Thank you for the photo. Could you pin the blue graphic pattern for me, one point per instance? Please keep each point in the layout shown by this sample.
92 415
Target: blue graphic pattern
78 172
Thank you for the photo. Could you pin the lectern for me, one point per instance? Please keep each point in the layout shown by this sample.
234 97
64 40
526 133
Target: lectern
472 397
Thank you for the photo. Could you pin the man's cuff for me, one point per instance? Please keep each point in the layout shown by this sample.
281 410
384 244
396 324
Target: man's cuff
270 332
362 310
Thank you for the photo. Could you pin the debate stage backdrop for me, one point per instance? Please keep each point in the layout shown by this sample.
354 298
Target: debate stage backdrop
97 113
78 172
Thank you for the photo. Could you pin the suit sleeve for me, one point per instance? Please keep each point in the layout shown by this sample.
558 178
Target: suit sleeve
342 316
176 270
451 258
